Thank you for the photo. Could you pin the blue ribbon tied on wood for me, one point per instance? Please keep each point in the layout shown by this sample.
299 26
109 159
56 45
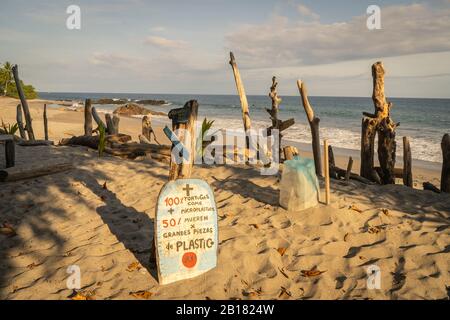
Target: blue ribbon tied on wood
177 144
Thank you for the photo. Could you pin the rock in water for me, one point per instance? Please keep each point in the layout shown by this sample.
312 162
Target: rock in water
133 109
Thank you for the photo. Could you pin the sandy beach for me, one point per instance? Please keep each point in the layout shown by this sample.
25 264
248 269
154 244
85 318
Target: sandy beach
99 216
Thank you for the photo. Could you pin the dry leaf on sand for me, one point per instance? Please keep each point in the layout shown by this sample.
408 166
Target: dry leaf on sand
81 295
7 230
284 294
254 225
133 266
281 251
143 294
355 208
283 273
311 273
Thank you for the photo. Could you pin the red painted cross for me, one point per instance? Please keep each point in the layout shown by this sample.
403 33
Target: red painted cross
188 189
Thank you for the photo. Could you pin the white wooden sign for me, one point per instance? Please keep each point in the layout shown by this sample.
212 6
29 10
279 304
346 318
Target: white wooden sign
186 230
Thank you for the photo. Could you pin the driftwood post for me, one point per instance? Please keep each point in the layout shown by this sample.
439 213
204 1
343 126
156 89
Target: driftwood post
349 168
97 118
147 130
407 163
445 175
314 124
19 120
24 102
112 124
244 104
45 123
378 123
87 117
185 131
327 172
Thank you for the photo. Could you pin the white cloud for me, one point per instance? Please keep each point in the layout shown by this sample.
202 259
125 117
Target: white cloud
158 29
307 12
280 42
162 42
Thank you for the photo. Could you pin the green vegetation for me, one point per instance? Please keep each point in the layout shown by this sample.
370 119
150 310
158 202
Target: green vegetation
102 140
8 86
206 125
8 128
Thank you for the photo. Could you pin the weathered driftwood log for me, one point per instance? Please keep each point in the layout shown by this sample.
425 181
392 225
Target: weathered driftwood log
183 122
19 120
314 124
35 143
327 173
290 152
431 187
93 141
273 112
445 175
380 122
244 103
97 118
349 168
147 130
112 124
407 164
33 170
338 173
87 117
23 100
368 133
45 122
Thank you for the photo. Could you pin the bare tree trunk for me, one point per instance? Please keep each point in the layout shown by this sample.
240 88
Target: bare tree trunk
26 110
380 122
19 119
112 124
407 166
244 104
445 176
314 124
87 117
45 123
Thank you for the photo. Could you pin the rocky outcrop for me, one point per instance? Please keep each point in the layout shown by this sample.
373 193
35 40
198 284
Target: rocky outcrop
133 109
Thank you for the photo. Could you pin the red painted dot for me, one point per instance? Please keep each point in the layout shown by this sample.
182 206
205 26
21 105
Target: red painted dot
189 259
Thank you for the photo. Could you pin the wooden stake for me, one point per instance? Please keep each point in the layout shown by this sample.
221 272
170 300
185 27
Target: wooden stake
23 100
349 168
19 119
244 103
45 123
407 163
327 172
184 169
314 124
10 153
445 175
87 118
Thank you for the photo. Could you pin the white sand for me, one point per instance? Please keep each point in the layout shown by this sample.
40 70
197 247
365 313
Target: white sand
69 218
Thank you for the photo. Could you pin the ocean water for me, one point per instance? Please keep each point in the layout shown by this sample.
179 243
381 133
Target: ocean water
424 121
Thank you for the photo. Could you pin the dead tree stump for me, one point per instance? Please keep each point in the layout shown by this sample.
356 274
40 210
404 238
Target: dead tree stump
445 175
407 163
87 117
45 123
378 123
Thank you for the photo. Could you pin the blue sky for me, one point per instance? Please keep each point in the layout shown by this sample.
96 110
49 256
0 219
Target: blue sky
183 46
